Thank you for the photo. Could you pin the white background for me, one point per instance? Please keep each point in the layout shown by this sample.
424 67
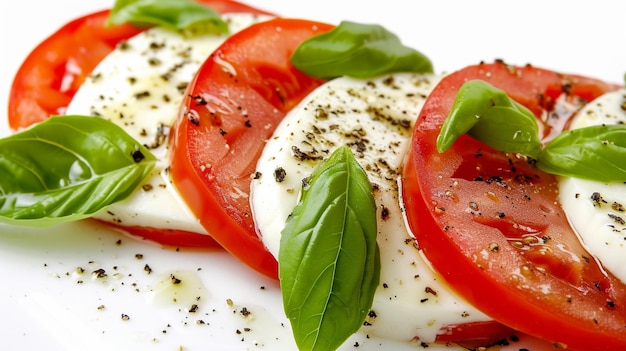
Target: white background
43 305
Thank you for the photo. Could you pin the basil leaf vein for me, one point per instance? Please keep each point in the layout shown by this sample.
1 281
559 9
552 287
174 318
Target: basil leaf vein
68 168
357 50
329 261
172 14
490 116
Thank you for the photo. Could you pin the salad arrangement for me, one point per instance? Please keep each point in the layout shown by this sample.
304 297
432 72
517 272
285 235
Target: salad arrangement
192 142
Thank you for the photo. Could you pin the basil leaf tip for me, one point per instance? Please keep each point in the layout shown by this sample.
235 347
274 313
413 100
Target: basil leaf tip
329 261
357 50
186 15
68 168
490 116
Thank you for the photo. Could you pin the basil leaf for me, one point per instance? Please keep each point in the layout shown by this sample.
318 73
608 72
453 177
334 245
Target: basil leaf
595 152
489 115
329 261
171 14
68 168
357 50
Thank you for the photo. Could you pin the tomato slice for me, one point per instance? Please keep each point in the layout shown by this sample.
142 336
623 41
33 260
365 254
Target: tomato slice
238 97
167 237
50 75
490 222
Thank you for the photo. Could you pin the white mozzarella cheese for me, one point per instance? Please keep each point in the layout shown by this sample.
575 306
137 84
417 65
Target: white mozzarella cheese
596 210
375 118
140 86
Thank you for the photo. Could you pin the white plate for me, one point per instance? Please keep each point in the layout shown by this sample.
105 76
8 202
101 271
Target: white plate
47 303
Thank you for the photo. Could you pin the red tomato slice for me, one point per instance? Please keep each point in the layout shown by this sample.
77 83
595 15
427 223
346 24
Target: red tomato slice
52 73
491 223
168 237
49 77
238 97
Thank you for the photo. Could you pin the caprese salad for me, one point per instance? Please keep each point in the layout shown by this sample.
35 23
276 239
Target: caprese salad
313 153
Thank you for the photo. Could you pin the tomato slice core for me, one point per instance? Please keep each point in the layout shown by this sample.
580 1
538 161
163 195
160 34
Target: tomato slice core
491 224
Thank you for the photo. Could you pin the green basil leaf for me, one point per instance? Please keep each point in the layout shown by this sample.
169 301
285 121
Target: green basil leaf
357 50
172 14
329 261
595 152
489 115
68 168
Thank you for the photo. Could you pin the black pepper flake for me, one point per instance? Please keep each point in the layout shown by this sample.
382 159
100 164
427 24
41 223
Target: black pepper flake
137 156
303 156
193 308
597 285
142 95
147 269
280 174
257 175
192 117
99 273
384 213
198 99
154 61
248 124
597 199
430 290
617 219
125 317
156 46
610 304
244 312
175 280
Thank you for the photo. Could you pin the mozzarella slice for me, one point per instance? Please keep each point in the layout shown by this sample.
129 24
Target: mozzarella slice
596 210
139 86
375 118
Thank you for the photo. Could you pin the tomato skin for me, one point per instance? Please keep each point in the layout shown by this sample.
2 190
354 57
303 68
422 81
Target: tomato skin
167 237
50 75
236 101
471 208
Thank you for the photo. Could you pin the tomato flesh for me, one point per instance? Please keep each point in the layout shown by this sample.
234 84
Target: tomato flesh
490 222
49 77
